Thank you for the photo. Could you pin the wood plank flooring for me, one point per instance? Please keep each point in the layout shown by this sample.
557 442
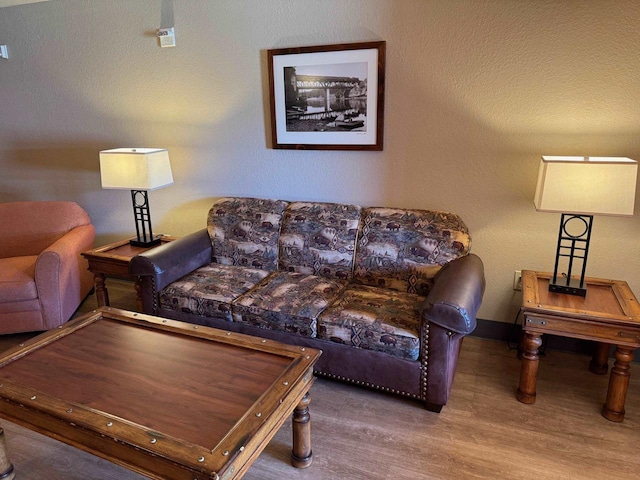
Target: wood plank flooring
482 433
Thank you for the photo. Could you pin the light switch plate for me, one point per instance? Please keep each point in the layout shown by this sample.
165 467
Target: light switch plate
3 51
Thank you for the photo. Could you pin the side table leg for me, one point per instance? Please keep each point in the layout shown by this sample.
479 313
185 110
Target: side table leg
102 295
526 392
613 408
6 467
600 361
301 456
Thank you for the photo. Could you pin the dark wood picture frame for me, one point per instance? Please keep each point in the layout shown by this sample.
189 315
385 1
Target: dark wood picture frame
327 97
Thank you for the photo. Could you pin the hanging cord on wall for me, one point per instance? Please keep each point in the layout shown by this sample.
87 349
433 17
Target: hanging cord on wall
512 333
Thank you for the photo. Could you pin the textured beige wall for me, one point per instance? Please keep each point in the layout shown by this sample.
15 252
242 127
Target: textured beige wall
476 92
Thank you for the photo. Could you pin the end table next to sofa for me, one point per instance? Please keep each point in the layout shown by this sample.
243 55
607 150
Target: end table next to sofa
112 260
609 315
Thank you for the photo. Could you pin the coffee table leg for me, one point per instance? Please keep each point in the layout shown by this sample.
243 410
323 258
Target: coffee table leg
613 408
600 361
526 392
6 468
301 456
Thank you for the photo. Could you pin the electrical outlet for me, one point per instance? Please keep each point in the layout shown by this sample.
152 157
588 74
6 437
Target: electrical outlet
517 280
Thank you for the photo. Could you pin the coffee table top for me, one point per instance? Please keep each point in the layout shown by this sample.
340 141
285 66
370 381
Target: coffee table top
192 395
608 301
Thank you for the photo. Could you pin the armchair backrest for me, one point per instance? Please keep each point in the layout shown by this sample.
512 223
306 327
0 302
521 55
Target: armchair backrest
28 228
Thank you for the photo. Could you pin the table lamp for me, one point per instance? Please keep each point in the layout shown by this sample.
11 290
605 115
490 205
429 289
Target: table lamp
579 188
138 170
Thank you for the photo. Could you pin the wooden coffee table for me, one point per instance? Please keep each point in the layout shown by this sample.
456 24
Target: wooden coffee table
609 314
112 260
166 399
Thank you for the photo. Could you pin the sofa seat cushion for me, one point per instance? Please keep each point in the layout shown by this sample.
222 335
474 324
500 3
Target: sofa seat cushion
17 279
287 301
209 290
374 319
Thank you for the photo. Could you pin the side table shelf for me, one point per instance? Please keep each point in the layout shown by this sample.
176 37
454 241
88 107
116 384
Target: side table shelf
112 260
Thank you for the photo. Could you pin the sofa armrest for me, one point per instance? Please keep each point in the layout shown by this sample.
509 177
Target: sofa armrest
173 260
456 295
59 273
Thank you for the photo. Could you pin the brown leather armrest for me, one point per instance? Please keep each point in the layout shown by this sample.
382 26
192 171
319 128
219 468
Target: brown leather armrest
170 261
456 295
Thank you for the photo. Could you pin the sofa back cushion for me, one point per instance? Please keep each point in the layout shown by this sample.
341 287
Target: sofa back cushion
28 228
244 231
404 249
319 239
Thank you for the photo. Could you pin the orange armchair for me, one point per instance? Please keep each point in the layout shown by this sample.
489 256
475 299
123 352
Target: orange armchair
43 278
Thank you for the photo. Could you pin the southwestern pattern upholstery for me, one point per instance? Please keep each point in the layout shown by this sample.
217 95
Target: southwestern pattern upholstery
245 231
404 249
319 239
287 301
209 291
387 294
366 317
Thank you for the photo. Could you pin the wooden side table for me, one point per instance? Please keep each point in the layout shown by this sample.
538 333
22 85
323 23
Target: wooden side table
113 261
609 314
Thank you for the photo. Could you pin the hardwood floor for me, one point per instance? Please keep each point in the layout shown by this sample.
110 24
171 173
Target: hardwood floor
482 433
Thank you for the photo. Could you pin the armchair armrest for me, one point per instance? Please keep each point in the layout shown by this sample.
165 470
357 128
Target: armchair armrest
59 271
170 261
456 295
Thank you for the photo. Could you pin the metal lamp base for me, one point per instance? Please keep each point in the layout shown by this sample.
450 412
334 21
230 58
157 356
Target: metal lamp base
572 288
146 243
144 233
573 246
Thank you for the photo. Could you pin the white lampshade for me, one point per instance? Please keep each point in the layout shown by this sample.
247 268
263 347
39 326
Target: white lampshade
587 185
135 168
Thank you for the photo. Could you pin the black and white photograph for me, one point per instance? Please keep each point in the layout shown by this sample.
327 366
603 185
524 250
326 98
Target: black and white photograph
328 97
321 98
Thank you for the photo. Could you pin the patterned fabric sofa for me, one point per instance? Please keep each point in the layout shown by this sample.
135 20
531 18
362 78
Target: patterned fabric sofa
387 294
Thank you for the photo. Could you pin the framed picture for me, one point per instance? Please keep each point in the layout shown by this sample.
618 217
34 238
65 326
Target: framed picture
328 97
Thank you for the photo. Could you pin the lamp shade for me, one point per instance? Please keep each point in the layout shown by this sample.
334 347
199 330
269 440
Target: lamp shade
135 168
587 185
